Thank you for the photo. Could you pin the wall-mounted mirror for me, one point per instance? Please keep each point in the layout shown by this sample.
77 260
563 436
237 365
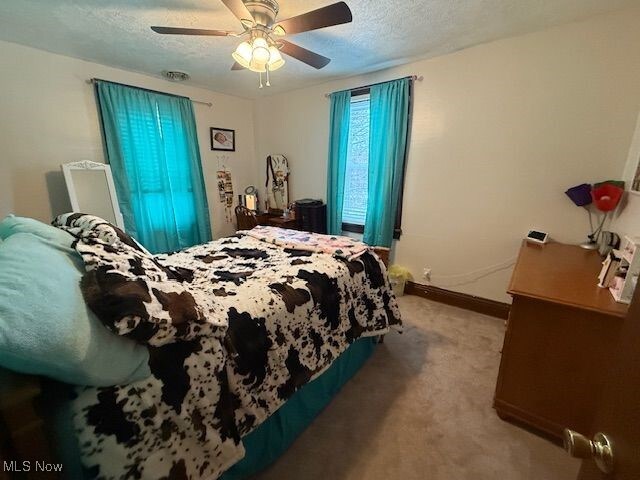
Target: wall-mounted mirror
632 168
91 190
277 182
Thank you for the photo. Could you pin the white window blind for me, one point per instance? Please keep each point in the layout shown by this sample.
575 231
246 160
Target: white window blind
354 208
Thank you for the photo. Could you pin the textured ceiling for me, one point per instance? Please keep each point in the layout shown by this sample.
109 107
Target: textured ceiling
382 34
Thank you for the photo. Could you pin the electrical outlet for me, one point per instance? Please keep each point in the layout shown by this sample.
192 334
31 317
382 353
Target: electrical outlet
426 274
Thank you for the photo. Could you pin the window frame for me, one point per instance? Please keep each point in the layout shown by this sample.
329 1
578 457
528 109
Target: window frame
397 230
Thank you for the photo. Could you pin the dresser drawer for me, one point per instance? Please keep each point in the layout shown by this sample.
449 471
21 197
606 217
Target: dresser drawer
551 368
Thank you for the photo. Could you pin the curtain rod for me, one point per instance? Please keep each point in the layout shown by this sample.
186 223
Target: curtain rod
412 77
96 80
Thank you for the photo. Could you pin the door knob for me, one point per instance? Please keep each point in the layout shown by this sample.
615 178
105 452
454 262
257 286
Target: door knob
599 448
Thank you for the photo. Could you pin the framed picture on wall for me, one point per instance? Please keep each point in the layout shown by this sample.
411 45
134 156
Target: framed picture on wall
223 139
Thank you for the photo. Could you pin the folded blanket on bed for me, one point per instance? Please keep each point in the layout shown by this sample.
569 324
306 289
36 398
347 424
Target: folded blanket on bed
336 245
234 328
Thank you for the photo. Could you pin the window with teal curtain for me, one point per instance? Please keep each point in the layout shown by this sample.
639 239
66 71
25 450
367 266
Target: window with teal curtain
375 130
152 147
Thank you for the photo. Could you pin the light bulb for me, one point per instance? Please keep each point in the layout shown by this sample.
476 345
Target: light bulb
260 42
256 66
260 55
243 54
275 59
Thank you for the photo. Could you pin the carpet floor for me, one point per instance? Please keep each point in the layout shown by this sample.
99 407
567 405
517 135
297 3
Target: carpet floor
421 409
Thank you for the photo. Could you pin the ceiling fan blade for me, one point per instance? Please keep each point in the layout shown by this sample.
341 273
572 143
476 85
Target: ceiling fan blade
335 14
191 31
238 8
307 56
236 66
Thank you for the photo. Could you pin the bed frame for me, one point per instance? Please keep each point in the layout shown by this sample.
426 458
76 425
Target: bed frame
23 436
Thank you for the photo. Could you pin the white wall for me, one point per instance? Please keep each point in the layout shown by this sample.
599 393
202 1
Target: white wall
499 132
627 219
48 117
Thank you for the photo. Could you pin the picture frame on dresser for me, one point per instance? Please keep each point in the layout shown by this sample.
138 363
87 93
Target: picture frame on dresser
631 174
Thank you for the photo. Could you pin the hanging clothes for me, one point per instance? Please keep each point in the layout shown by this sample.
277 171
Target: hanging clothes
277 183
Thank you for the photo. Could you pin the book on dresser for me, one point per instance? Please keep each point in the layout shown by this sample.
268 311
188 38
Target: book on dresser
623 283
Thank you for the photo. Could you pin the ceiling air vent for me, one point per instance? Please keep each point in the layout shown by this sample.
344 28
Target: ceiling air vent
175 76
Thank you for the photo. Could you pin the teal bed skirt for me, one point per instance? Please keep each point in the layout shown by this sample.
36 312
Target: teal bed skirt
263 446
270 440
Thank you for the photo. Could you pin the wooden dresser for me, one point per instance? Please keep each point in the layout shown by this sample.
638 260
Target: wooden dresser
560 334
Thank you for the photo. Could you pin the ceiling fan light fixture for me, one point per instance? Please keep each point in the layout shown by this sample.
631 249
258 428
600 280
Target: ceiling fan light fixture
263 50
275 58
260 42
260 56
243 54
257 67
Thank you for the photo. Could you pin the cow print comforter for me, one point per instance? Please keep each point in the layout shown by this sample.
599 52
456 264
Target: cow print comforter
234 327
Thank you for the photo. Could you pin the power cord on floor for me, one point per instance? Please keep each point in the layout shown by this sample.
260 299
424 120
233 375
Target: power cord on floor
470 277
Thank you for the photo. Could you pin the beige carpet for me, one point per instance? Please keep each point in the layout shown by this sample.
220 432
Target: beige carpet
421 409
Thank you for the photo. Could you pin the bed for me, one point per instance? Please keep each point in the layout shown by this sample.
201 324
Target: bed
249 337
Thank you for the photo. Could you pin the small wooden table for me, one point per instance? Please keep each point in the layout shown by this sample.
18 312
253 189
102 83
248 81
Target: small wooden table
274 220
562 329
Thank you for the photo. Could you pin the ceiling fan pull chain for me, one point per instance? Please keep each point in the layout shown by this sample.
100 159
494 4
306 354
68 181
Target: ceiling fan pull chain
267 69
260 74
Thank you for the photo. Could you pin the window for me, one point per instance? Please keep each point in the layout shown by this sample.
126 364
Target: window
356 183
153 149
163 159
354 208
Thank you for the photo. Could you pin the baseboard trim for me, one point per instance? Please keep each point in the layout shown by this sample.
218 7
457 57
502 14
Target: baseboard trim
457 299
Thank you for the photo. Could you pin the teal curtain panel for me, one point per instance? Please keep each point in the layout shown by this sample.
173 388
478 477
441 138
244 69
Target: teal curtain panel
338 149
389 123
152 146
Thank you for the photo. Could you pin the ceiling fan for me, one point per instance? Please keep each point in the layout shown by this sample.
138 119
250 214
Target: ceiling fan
261 52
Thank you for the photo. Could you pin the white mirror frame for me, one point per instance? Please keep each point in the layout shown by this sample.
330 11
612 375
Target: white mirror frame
67 168
632 167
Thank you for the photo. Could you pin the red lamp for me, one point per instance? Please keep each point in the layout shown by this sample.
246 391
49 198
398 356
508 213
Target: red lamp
606 196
